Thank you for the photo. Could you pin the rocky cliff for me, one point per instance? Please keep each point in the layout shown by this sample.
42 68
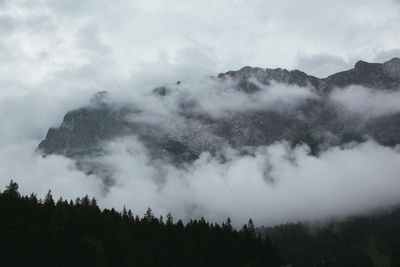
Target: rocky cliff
316 121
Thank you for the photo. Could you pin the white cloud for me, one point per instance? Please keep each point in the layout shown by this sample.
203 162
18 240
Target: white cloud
366 102
275 184
221 98
42 37
36 174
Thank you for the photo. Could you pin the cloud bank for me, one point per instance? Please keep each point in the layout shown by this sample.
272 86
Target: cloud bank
366 102
275 184
271 184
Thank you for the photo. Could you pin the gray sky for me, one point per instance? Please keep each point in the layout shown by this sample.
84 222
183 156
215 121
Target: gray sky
87 39
55 54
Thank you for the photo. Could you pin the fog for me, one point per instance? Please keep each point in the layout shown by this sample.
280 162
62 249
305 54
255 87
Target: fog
55 56
271 184
274 185
212 97
367 103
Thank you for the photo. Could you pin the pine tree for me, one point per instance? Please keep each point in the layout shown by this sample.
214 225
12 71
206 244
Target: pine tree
130 214
250 226
93 203
33 198
85 201
228 224
124 212
12 189
170 219
48 200
149 216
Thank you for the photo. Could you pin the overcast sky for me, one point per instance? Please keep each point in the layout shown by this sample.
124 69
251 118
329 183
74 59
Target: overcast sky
88 39
55 54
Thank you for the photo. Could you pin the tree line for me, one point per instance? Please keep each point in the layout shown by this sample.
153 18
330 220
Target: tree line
35 232
358 241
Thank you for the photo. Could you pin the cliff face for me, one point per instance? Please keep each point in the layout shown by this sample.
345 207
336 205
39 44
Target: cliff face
315 122
371 75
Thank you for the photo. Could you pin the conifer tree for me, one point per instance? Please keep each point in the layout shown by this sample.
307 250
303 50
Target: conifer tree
12 189
48 200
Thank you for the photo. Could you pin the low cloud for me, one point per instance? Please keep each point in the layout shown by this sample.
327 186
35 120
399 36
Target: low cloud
36 174
220 98
272 184
366 102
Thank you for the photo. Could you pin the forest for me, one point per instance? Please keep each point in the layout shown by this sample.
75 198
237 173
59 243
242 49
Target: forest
365 240
37 232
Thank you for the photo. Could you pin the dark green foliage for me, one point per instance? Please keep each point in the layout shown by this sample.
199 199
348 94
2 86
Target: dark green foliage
359 241
36 233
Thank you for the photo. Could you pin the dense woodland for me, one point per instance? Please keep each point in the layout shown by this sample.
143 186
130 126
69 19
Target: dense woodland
37 232
363 241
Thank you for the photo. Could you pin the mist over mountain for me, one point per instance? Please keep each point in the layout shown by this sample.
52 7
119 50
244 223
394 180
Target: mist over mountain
250 107
247 143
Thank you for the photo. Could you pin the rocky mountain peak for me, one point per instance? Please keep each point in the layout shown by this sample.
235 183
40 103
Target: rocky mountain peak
84 130
372 75
266 76
392 68
363 66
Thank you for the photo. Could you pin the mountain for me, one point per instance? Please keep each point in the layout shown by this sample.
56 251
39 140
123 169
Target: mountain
315 121
371 75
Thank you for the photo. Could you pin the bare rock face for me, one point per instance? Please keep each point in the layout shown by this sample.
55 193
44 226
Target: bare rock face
266 76
372 75
83 129
315 122
392 68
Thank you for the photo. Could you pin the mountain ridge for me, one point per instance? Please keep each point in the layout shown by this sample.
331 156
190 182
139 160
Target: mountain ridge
385 76
315 122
